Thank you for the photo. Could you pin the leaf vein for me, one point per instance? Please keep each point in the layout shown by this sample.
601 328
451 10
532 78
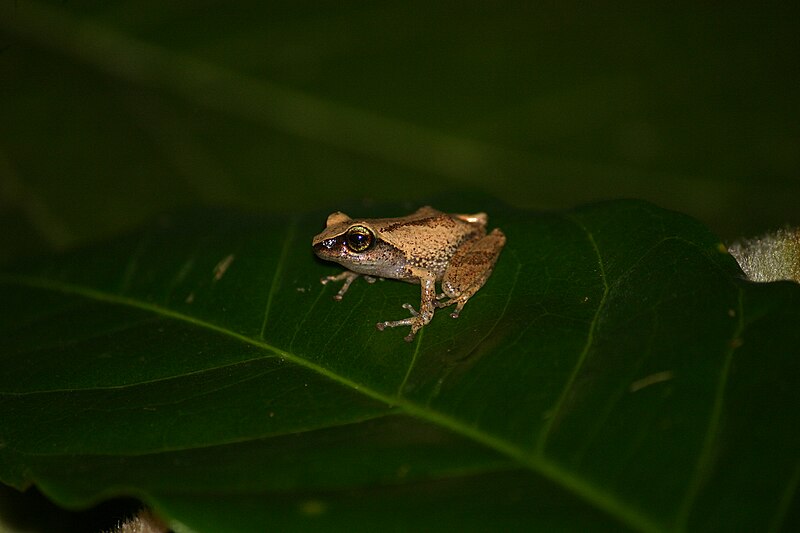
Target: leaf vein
581 487
411 364
547 429
300 323
290 231
786 499
706 456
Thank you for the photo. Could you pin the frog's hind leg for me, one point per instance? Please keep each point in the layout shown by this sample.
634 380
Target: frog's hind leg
469 269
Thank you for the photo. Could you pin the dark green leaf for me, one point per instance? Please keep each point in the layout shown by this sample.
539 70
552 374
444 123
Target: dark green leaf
615 370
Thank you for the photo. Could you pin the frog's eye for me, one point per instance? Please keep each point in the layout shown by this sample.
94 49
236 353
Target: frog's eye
359 238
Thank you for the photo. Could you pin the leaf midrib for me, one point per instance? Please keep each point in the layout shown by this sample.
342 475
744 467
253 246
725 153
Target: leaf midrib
538 463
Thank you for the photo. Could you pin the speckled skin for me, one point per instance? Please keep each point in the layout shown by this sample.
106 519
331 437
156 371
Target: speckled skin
424 247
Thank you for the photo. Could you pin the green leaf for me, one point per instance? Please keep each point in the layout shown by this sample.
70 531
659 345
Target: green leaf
614 371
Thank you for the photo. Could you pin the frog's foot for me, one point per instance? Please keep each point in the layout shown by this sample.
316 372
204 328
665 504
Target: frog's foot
460 302
348 278
416 321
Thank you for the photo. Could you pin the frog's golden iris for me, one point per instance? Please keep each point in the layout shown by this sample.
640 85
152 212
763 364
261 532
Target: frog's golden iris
359 238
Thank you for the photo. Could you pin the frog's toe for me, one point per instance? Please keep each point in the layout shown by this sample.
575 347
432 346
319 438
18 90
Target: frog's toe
459 307
440 305
410 309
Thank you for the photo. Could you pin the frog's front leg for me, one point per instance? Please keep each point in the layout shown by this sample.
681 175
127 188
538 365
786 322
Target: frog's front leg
468 270
348 277
418 318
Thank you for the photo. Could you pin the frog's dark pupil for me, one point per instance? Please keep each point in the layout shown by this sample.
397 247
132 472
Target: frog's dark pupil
359 239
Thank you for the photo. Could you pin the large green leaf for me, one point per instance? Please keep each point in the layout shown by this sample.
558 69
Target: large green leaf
614 371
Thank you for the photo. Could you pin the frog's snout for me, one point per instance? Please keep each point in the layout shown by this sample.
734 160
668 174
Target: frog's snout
327 249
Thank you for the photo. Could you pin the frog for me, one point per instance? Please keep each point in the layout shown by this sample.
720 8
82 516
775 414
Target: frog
426 247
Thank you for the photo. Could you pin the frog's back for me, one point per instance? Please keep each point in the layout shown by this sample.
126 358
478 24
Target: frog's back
428 237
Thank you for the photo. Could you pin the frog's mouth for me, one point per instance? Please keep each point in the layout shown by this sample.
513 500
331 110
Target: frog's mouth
330 249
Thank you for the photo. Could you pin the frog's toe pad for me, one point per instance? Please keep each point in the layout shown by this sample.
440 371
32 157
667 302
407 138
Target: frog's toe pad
410 309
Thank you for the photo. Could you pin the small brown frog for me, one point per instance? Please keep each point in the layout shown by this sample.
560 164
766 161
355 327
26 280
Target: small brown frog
424 247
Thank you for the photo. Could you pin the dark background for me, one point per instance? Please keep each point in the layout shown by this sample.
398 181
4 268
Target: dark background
112 112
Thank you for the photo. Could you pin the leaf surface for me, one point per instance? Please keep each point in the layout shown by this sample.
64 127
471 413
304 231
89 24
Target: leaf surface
614 371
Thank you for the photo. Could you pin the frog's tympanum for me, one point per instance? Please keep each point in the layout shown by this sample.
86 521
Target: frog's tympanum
424 247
